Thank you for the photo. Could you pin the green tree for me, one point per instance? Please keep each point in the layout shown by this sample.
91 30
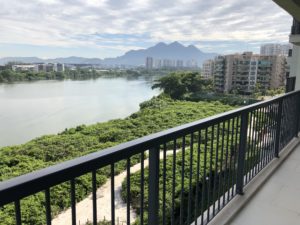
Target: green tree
180 84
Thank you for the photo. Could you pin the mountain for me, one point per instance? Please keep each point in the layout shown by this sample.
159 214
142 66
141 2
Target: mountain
161 50
75 60
174 51
21 59
68 60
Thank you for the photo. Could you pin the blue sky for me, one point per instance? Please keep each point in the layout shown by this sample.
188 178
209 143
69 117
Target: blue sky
109 28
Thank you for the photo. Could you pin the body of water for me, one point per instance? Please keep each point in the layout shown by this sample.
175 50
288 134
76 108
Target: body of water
32 109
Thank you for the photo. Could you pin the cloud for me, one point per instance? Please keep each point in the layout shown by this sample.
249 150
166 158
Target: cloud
141 23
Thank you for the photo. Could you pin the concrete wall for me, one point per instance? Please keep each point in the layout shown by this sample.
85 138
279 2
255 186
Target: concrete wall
295 65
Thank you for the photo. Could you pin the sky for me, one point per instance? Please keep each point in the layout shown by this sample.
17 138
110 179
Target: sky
109 28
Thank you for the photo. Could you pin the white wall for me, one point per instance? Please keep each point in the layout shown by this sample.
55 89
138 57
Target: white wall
295 65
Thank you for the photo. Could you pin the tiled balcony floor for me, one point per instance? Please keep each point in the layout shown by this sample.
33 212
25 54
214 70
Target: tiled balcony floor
278 200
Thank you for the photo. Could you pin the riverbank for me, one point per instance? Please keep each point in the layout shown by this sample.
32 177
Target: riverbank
9 76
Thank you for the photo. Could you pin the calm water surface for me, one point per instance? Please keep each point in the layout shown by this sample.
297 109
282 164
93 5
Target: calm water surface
32 109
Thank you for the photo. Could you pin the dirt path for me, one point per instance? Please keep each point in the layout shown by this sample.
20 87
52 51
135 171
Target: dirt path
84 209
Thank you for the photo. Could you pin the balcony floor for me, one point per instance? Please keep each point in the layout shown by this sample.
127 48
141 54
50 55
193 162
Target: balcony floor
278 200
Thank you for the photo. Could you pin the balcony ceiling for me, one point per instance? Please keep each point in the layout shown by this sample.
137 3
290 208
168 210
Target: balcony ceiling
291 6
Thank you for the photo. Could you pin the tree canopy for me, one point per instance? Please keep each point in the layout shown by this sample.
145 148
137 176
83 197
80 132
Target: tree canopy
181 84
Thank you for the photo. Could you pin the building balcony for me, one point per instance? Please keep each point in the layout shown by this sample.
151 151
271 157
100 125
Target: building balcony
224 156
295 39
277 202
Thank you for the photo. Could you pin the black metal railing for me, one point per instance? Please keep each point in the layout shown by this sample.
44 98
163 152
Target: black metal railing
194 170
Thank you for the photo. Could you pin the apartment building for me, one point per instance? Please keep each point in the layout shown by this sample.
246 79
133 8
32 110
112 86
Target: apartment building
219 74
244 72
149 63
191 63
179 64
208 69
59 67
157 63
153 63
275 49
167 63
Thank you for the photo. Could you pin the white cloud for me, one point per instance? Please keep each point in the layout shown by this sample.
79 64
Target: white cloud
61 22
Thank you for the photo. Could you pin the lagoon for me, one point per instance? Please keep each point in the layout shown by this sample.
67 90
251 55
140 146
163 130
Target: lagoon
32 109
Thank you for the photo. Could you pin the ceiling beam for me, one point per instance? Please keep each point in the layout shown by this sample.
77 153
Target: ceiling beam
291 6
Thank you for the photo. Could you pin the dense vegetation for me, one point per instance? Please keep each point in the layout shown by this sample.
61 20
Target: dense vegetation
200 165
204 179
155 115
191 86
204 166
8 75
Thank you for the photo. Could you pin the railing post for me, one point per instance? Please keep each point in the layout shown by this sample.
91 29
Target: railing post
278 128
153 186
242 153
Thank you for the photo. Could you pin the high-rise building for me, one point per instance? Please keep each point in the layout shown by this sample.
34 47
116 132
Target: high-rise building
59 67
39 67
167 63
270 49
219 74
149 63
179 63
49 67
208 69
275 49
191 63
244 72
157 63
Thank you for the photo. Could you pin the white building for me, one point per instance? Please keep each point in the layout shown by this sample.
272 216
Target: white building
157 63
149 63
59 67
270 49
208 69
243 72
191 63
179 63
167 63
23 68
275 49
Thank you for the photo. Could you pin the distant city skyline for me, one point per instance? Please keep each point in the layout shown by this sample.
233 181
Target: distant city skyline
102 28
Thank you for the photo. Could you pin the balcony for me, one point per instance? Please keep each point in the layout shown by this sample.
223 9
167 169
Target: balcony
224 156
277 202
295 39
295 33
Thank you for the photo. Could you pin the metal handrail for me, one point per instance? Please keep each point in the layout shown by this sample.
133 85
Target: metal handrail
31 183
